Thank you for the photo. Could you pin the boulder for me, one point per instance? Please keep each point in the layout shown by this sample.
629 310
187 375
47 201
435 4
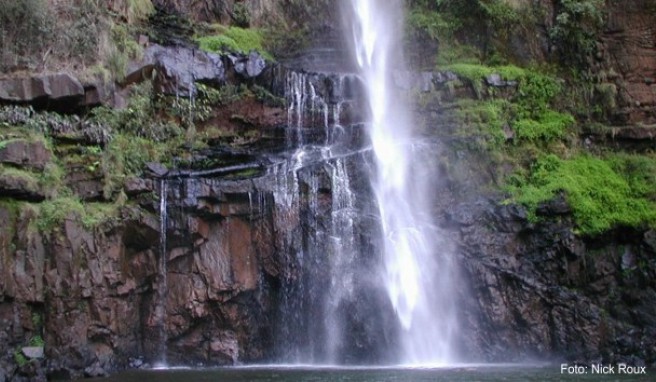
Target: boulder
248 66
177 69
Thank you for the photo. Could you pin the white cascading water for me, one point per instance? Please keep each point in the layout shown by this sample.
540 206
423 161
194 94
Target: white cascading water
419 275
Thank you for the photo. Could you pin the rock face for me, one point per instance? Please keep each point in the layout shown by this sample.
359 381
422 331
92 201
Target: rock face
540 291
628 57
57 91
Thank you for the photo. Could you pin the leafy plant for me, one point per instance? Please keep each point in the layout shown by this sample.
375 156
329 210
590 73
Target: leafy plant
20 358
600 197
37 341
575 32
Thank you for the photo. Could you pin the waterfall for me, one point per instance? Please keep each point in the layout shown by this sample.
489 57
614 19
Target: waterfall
162 282
418 271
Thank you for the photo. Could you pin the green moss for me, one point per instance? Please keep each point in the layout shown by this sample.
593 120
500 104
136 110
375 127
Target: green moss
20 358
266 97
478 72
600 196
550 125
235 39
37 341
27 179
638 170
483 118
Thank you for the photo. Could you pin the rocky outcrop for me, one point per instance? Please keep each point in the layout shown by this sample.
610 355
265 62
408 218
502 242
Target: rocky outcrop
177 69
53 87
539 291
21 152
57 91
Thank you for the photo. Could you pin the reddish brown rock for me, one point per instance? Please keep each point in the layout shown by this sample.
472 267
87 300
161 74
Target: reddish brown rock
21 152
20 186
628 52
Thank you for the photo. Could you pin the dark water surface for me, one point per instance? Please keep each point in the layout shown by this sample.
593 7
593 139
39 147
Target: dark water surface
312 374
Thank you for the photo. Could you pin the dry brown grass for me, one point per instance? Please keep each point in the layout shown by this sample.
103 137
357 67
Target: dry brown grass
38 36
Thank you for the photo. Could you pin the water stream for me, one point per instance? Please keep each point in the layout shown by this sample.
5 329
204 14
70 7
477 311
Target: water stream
162 279
418 272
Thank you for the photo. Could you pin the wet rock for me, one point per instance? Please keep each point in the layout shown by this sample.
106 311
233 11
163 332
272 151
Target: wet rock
31 372
157 169
21 152
33 352
225 347
404 80
95 371
427 79
528 283
136 186
556 206
650 240
96 94
136 363
495 79
248 66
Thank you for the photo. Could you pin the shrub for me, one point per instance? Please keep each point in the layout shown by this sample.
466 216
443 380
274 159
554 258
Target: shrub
52 214
20 358
536 93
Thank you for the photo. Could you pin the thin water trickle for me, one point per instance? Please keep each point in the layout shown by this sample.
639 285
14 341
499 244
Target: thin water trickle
418 272
162 287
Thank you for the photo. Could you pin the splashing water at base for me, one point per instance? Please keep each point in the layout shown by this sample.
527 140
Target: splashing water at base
418 271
